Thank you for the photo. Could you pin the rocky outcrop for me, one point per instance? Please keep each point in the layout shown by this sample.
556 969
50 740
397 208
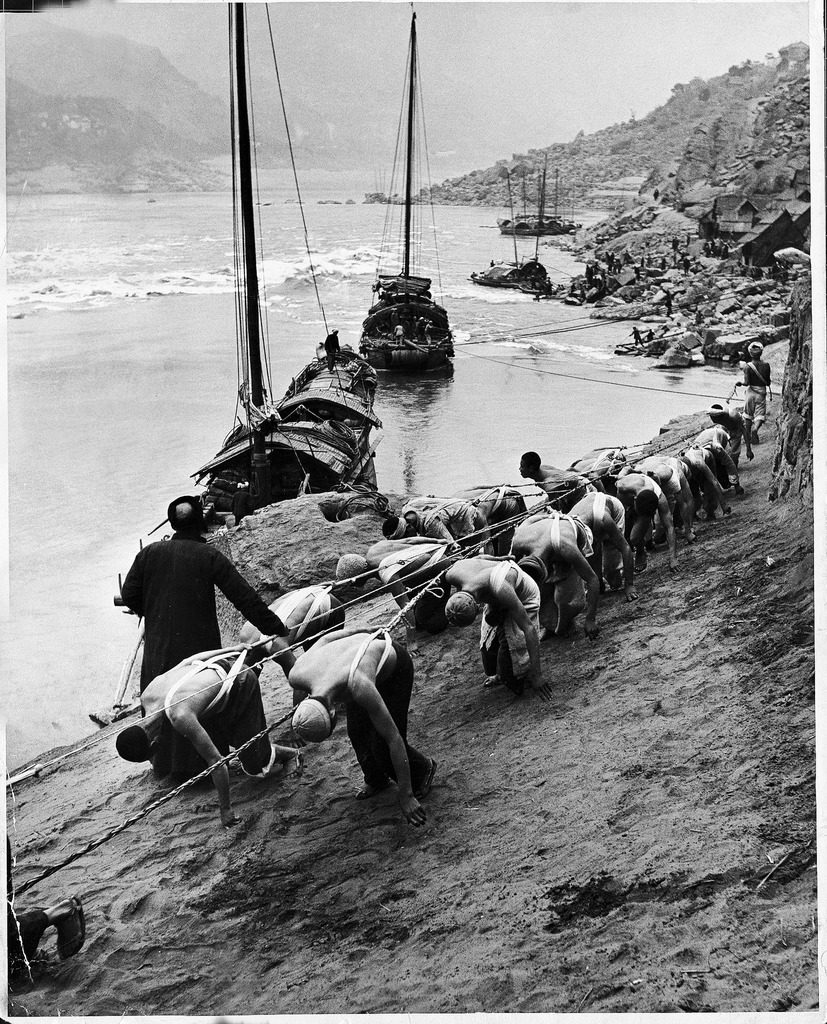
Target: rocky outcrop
745 130
793 464
292 544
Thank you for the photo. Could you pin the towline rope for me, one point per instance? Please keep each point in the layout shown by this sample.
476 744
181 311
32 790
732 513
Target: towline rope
590 380
385 588
394 621
151 807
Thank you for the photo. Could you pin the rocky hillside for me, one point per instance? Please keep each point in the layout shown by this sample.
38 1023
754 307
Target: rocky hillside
742 129
88 113
793 465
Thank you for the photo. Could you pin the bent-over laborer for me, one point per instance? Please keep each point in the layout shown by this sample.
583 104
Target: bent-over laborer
373 676
563 486
172 585
732 420
716 440
642 500
206 704
305 613
405 566
757 383
554 550
701 472
601 467
612 558
510 634
670 474
447 519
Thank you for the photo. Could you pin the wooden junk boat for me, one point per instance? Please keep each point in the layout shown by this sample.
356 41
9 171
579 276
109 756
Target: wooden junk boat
530 226
406 330
526 275
318 435
530 276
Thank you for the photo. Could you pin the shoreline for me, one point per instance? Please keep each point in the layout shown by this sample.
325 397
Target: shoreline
621 834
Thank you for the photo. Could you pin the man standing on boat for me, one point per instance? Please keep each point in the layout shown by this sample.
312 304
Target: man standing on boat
172 585
331 347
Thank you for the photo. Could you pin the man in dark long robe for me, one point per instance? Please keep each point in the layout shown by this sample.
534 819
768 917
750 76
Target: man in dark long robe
172 585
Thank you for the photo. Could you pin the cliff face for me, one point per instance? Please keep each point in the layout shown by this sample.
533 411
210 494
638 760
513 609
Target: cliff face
793 463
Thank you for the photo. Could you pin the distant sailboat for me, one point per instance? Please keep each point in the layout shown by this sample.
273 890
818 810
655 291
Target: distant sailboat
406 330
540 225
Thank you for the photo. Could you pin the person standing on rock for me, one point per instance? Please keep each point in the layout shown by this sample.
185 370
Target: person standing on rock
172 585
243 505
373 676
510 636
757 383
667 298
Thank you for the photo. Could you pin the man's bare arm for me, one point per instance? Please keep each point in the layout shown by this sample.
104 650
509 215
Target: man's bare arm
185 722
508 600
669 526
575 558
612 534
363 691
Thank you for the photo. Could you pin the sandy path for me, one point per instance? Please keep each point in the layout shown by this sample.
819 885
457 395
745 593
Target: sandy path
603 853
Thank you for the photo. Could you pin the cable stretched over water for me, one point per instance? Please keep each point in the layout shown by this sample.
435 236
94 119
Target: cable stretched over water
590 380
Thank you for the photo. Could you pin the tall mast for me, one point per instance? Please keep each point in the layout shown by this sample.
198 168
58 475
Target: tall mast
409 153
541 210
511 207
260 481
556 187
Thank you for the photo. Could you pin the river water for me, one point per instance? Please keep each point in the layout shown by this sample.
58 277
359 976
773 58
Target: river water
122 381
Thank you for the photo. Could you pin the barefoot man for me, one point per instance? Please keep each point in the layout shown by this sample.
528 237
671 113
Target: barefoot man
613 560
373 676
554 550
209 702
509 640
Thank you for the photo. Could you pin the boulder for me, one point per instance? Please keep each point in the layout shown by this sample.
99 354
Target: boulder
675 357
291 544
728 304
727 347
690 341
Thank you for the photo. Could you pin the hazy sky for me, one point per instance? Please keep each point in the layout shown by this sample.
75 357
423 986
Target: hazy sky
532 73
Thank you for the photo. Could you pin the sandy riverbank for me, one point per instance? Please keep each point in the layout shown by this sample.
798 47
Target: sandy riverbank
609 852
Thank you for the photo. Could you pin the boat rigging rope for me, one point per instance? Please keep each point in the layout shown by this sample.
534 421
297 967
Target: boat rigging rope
293 165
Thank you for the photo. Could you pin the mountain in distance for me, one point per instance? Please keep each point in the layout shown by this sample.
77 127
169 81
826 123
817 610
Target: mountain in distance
746 130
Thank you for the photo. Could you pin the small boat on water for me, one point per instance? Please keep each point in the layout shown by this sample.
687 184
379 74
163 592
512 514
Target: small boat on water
530 276
318 434
524 275
406 330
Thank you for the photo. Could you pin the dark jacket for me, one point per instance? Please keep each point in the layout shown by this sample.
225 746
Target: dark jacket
171 584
